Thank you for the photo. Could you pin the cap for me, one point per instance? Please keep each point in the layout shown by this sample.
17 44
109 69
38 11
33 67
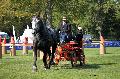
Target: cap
79 28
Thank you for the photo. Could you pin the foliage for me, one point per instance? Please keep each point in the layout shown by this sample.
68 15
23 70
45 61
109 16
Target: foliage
85 13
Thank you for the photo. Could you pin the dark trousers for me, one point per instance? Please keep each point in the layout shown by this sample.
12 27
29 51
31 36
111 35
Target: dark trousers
65 37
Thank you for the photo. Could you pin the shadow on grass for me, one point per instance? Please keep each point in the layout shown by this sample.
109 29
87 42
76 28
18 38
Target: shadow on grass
107 64
86 66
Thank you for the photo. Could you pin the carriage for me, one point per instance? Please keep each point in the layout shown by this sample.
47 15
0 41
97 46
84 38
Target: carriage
45 37
71 51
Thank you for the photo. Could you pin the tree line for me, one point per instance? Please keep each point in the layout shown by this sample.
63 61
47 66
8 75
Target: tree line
93 16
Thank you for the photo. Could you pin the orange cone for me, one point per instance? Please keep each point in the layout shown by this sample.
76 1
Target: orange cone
4 40
12 49
25 50
102 45
25 40
12 41
4 51
102 39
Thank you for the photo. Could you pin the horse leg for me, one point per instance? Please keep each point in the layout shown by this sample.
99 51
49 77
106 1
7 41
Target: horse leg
51 60
35 59
45 59
47 52
53 51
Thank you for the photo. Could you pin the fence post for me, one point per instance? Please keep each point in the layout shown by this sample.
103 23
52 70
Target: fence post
4 51
12 47
25 49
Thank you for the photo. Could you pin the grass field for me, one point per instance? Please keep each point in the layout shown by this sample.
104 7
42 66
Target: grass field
97 67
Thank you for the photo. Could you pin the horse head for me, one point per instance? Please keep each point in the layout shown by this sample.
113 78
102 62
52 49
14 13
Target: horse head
37 25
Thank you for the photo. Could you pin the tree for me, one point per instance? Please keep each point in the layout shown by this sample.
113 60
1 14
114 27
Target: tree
86 13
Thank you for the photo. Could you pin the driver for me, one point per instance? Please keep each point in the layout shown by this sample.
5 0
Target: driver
64 30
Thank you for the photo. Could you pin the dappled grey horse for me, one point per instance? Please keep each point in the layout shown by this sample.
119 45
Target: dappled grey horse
44 38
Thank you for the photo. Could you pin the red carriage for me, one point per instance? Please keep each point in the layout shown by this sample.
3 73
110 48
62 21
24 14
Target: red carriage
71 51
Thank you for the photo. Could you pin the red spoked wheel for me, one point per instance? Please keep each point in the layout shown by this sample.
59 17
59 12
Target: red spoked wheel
77 57
58 54
73 58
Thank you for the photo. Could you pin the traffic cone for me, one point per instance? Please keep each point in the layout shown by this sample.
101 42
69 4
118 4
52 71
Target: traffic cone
102 45
102 39
25 40
4 51
25 50
12 47
12 41
4 40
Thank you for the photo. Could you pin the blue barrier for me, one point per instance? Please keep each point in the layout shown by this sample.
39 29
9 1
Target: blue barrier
107 44
112 43
19 47
92 46
89 45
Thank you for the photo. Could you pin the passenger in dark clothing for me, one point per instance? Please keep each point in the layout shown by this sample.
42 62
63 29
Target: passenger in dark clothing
79 36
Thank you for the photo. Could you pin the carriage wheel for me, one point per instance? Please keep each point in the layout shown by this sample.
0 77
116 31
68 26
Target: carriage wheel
81 63
82 60
57 57
73 59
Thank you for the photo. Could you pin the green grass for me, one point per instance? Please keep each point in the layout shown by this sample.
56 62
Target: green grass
97 67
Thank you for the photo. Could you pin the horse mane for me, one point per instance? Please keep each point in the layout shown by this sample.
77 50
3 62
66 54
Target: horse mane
43 32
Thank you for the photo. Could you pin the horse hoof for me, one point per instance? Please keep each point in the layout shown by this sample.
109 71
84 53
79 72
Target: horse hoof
34 69
52 63
46 67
